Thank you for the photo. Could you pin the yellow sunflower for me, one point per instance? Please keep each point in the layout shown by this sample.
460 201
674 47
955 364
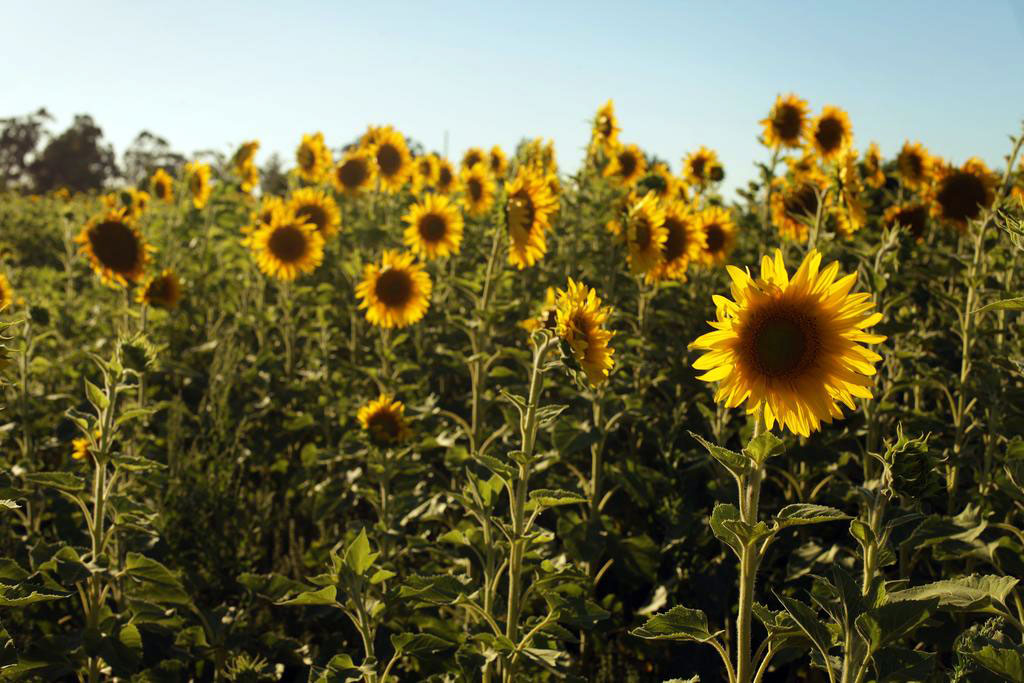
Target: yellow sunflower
791 347
384 420
604 133
645 234
697 166
851 215
960 194
435 227
249 177
80 448
915 165
913 217
794 206
131 200
498 162
472 157
527 214
286 247
115 248
541 154
264 215
807 169
161 185
831 133
394 163
197 177
786 124
373 135
424 172
873 173
356 172
312 158
580 321
162 291
446 178
719 235
477 189
6 293
684 243
316 207
660 181
395 293
245 154
626 166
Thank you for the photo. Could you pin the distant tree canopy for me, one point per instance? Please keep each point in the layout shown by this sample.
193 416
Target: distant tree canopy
76 159
19 138
146 154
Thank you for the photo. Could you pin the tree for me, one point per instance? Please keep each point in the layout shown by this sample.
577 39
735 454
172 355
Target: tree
76 159
19 138
273 178
147 153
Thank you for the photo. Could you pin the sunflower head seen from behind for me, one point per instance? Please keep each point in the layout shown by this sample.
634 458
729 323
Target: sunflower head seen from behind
115 248
792 348
434 227
395 292
580 322
384 421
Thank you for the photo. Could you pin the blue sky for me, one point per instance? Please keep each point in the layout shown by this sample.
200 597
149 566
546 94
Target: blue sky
211 75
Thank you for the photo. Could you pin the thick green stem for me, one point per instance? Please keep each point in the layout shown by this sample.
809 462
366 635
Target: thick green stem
749 495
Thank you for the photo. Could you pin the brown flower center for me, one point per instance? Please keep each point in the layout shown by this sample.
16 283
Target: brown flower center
627 164
472 159
780 340
697 166
389 159
393 288
829 134
676 242
961 196
288 243
306 158
384 425
715 237
802 202
914 218
642 233
312 213
116 247
353 173
476 189
520 213
787 122
433 227
445 178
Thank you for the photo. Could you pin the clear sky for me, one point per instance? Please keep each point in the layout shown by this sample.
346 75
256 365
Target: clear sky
213 74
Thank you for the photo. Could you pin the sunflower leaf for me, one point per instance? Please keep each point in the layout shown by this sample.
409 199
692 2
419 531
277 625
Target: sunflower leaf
679 623
965 594
1015 304
764 446
737 464
803 513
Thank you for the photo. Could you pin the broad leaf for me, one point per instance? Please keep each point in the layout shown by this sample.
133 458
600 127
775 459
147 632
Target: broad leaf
679 623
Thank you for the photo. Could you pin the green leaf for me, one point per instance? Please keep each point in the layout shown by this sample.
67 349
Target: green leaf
901 665
965 594
679 623
358 556
555 497
96 396
325 596
803 513
1015 304
807 620
884 625
62 481
723 513
736 463
442 589
17 597
419 643
135 463
156 582
764 446
1003 661
272 586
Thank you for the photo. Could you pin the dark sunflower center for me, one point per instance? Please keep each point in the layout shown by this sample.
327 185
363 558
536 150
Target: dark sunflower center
353 173
715 237
656 183
476 189
782 341
829 134
716 174
445 178
961 196
581 326
915 165
312 213
787 123
697 167
384 425
425 167
195 183
472 159
288 243
159 290
433 227
675 243
115 246
914 218
495 163
642 233
627 164
161 190
802 202
306 158
393 288
389 159
520 212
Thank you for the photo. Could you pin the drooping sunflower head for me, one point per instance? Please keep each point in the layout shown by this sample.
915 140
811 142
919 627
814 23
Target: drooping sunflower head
394 163
356 172
245 154
287 246
115 248
498 163
384 421
313 158
528 209
396 292
434 227
604 133
960 194
197 179
873 173
660 181
645 234
719 235
831 133
794 207
698 165
162 291
161 185
851 215
580 322
472 157
424 172
6 293
316 207
627 165
915 165
913 217
684 242
787 123
446 178
791 348
477 189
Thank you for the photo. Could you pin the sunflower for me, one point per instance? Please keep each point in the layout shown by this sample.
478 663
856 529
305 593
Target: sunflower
373 135
316 207
424 172
115 248
435 227
684 243
527 214
384 420
791 347
287 246
659 180
645 234
719 235
6 294
915 165
394 164
355 172
806 169
313 158
851 214
80 448
249 177
960 194
604 133
446 177
697 166
541 154
546 318
580 321
197 175
472 157
396 293
269 207
873 173
162 291
161 184
498 162
793 206
133 201
477 189
627 165
620 210
831 133
913 217
245 154
786 124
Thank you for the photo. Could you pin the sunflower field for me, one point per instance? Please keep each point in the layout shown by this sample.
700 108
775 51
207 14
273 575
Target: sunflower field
417 419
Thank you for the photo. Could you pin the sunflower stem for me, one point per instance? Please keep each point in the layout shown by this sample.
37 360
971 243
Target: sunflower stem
749 490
